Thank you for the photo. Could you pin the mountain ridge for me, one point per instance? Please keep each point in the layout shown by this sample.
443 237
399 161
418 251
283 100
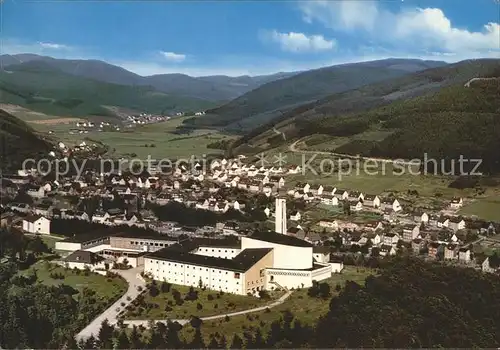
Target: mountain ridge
212 88
279 96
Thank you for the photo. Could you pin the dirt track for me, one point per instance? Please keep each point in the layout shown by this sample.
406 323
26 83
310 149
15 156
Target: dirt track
56 121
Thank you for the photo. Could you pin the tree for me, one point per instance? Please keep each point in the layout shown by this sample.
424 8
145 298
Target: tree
106 335
173 341
153 290
122 341
37 246
135 339
91 342
324 290
213 343
165 287
237 342
197 342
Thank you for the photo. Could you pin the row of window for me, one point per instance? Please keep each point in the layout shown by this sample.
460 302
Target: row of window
296 274
213 250
156 244
187 266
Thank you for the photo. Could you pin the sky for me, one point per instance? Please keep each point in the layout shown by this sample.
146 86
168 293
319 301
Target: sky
249 37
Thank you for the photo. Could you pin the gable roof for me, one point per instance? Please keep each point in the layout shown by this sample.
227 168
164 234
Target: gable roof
84 257
33 218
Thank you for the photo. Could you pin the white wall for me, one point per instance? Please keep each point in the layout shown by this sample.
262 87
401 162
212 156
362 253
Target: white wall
41 226
322 258
68 246
226 253
322 273
285 257
82 266
288 279
337 267
189 275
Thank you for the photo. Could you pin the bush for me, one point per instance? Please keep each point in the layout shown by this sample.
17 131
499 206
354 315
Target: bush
227 318
153 291
199 306
216 306
268 310
210 297
139 288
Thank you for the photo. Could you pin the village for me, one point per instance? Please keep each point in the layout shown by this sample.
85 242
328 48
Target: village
345 221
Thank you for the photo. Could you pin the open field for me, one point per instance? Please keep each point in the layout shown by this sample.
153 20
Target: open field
487 208
104 287
56 121
24 113
212 302
305 308
159 140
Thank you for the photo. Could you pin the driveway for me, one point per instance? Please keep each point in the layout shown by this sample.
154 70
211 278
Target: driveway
133 280
145 323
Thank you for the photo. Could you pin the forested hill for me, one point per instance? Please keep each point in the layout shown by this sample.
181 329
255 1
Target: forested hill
18 142
444 120
457 121
271 99
40 87
413 304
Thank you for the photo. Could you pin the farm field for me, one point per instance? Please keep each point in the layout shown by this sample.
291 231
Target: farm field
305 308
158 140
211 302
487 208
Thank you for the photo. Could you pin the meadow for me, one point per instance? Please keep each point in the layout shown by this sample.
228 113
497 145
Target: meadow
305 308
105 287
159 140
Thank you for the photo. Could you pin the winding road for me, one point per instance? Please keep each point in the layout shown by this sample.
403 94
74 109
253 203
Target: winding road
145 323
293 148
134 280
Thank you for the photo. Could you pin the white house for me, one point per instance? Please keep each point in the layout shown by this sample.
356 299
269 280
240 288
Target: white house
295 216
392 204
330 200
456 224
371 201
36 224
456 203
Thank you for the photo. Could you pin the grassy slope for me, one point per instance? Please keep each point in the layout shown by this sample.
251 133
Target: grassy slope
305 308
104 287
168 143
265 102
456 121
18 141
329 109
219 304
44 89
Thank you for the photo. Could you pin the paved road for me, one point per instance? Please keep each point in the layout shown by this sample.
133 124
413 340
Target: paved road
293 148
145 323
111 313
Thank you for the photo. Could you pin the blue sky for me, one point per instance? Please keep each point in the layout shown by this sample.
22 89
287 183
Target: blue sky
250 37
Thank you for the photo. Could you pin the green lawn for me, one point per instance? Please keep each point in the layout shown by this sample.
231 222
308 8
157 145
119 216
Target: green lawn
486 208
103 286
50 241
305 308
212 302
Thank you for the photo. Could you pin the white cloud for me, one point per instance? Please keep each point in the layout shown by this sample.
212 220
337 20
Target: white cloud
52 46
300 42
172 56
413 28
